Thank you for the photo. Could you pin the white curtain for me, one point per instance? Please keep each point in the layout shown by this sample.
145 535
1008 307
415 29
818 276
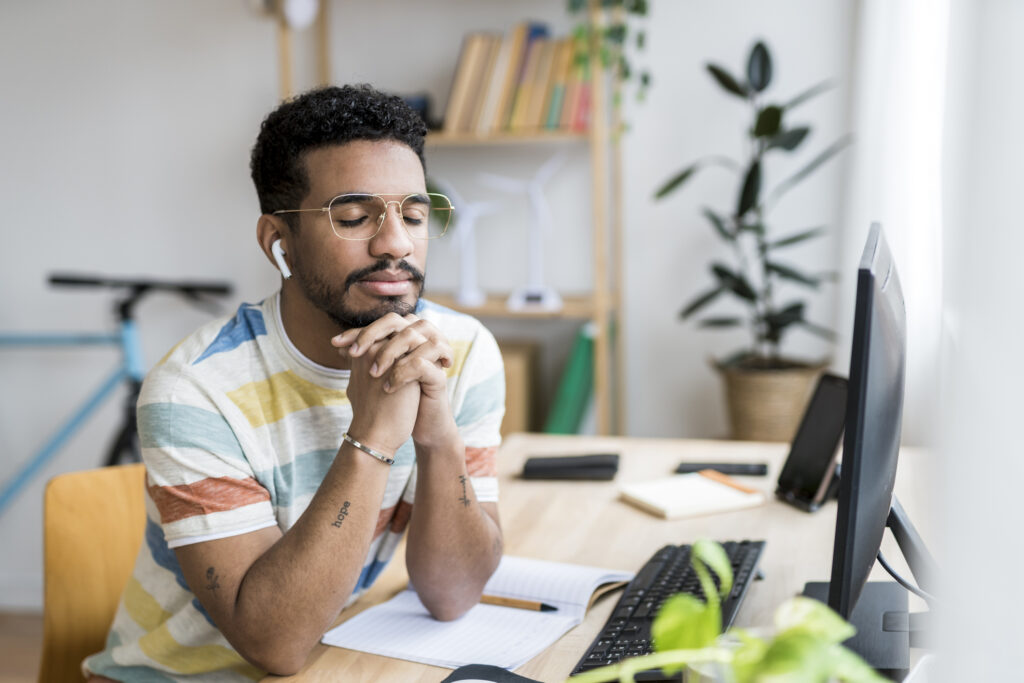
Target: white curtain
896 119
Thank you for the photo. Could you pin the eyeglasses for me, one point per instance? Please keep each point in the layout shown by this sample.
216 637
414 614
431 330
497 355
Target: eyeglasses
425 215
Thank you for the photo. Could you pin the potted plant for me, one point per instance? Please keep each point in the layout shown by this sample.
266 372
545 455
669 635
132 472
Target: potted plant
766 391
805 645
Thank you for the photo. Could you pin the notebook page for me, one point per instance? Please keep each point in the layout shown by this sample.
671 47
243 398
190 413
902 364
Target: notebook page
487 634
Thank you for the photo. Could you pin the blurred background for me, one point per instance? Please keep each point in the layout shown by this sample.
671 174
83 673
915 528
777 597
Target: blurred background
127 127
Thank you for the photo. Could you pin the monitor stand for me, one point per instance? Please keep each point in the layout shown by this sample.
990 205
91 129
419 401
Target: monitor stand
882 620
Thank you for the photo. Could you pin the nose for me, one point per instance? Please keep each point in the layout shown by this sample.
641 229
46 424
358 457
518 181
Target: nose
392 239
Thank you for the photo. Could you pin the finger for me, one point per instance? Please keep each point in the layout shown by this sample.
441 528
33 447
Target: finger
447 356
400 344
378 330
419 369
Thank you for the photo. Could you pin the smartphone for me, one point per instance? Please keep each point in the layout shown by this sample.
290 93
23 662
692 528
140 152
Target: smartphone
807 476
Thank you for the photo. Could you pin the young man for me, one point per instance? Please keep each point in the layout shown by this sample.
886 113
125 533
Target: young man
268 438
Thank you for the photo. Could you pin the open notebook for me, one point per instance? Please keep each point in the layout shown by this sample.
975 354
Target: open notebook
487 634
690 495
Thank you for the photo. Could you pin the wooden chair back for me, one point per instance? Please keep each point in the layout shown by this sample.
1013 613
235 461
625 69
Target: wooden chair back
93 523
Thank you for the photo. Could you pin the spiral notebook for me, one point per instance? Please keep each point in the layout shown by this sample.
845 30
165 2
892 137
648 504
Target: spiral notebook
689 495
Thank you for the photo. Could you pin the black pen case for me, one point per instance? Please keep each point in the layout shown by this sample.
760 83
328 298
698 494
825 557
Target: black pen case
593 466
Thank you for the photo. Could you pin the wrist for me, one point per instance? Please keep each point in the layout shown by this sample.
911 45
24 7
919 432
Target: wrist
378 438
447 439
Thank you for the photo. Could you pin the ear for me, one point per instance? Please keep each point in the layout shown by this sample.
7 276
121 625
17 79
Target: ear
270 229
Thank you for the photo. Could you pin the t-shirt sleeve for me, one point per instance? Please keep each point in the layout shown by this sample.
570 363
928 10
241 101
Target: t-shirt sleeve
479 408
201 486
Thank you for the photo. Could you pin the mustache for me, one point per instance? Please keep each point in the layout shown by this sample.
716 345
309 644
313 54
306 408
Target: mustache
384 264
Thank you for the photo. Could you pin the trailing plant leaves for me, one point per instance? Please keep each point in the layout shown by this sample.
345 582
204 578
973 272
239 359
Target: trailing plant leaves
616 33
719 225
751 189
813 91
721 322
796 238
700 302
830 152
726 80
789 139
769 120
684 623
789 273
813 617
713 555
735 283
759 67
676 180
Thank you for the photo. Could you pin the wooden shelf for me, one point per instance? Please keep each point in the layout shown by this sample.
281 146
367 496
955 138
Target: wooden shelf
581 307
439 139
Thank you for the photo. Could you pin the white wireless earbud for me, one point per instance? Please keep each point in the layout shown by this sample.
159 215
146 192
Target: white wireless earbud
278 251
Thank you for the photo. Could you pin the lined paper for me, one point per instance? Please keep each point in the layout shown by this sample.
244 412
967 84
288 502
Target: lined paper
487 634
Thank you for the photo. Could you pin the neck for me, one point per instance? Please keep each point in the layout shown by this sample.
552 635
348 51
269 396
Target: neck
310 329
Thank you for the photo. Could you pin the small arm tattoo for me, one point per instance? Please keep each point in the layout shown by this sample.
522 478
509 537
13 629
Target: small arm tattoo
212 579
342 514
465 498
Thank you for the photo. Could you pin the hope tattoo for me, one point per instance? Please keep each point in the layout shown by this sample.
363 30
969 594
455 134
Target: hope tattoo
342 514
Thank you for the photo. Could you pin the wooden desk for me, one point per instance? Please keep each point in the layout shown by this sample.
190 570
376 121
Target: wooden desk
585 523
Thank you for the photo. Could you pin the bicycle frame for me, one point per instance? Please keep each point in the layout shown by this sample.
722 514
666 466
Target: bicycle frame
130 369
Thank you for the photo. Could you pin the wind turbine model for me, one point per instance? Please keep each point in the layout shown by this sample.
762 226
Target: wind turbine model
535 295
468 293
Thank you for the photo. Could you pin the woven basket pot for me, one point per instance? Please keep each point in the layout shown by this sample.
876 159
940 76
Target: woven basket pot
768 404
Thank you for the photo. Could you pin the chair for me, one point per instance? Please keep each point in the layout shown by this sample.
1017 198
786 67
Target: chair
93 522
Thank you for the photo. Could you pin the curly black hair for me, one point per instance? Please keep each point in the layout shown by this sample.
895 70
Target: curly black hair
324 116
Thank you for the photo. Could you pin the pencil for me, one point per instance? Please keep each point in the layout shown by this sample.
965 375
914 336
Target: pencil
516 602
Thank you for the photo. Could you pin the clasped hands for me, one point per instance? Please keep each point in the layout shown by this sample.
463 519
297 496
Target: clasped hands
398 385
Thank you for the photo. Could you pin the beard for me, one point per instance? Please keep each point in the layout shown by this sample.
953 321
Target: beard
330 298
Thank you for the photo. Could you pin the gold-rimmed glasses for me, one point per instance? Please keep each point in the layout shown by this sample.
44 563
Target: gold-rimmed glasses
358 216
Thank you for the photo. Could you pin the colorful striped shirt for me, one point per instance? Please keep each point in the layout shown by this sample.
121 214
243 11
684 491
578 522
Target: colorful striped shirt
237 430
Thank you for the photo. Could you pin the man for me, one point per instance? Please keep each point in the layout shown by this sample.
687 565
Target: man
268 438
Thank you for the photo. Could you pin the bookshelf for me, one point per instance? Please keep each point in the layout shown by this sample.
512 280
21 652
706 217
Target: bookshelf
601 305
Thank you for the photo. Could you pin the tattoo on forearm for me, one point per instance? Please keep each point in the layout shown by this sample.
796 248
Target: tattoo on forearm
342 514
464 499
212 579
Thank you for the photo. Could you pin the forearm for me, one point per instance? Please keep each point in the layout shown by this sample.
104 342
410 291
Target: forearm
295 590
454 545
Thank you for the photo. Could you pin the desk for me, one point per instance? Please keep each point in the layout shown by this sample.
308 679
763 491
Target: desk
585 523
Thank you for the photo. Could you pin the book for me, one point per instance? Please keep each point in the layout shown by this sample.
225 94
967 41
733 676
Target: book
495 86
469 59
478 85
691 495
507 637
560 77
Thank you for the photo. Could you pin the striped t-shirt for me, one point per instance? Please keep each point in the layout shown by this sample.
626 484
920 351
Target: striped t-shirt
238 429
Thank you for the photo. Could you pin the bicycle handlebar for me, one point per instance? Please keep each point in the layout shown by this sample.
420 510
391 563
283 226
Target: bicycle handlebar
190 289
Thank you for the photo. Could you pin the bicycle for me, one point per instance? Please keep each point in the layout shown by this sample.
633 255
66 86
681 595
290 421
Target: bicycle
130 370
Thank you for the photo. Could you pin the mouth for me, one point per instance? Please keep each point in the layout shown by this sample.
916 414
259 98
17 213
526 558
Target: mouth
387 283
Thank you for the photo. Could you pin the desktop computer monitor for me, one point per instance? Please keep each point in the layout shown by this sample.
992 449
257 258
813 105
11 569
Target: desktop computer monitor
874 412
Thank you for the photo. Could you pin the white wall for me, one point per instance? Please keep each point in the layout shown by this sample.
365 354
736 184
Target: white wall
125 140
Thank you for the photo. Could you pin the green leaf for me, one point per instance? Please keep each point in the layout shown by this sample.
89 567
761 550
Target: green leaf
796 656
700 302
793 313
576 5
726 80
796 238
684 623
819 331
848 666
814 618
751 189
616 33
756 228
830 152
759 67
713 555
789 273
769 120
641 39
734 282
747 656
813 91
676 180
721 322
719 224
789 139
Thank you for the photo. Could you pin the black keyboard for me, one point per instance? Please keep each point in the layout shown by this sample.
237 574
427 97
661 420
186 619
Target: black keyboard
627 632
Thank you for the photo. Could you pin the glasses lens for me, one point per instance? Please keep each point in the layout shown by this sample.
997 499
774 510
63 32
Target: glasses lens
426 215
355 216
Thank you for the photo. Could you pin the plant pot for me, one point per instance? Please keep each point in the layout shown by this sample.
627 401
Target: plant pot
766 404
